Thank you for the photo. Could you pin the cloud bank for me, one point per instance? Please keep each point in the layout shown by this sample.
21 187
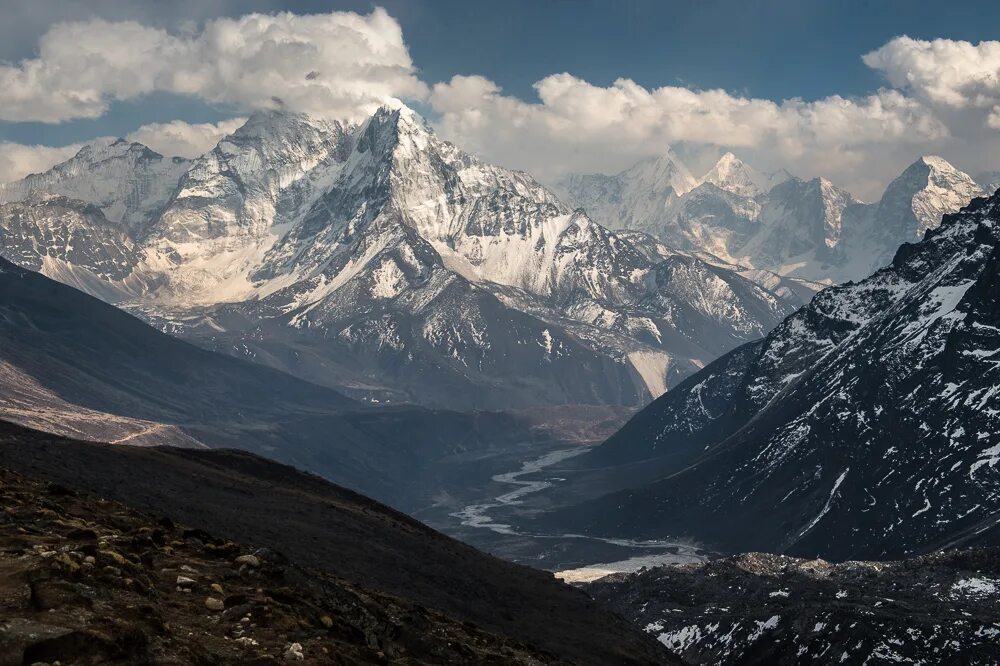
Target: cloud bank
339 64
18 160
184 139
940 96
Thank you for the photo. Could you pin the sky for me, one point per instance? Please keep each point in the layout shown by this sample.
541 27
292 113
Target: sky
850 90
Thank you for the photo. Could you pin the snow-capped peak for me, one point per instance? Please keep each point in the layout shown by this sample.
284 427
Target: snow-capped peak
128 181
657 173
732 174
933 187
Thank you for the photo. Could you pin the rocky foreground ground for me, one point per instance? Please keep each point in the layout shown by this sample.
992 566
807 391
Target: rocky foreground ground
89 581
942 608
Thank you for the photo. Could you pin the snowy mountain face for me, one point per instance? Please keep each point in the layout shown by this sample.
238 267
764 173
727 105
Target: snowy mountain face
733 175
865 425
379 258
634 197
913 203
127 181
807 229
45 232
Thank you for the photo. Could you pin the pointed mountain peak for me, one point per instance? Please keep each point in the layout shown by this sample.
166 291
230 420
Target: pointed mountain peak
400 117
933 171
927 189
732 174
938 163
109 148
665 170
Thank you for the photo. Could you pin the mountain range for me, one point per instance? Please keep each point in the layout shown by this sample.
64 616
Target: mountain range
864 426
808 229
380 260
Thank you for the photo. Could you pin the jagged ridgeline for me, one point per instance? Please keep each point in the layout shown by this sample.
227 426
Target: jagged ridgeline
383 261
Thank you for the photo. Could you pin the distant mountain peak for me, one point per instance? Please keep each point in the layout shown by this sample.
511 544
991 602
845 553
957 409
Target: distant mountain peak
732 174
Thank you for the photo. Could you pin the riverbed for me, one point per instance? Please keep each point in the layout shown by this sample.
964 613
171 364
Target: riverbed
491 524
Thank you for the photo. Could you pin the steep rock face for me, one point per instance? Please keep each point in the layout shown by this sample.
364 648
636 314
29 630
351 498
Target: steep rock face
384 260
127 181
44 232
797 218
863 426
912 204
231 205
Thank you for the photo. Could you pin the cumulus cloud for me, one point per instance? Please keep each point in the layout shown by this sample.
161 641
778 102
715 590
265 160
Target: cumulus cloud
577 126
184 139
941 96
943 71
18 160
339 64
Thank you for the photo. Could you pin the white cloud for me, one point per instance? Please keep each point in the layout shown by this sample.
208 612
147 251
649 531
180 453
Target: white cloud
339 64
942 97
184 139
943 71
18 160
578 126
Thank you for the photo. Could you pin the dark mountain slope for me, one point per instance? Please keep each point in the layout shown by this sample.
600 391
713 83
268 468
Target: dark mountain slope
243 497
94 356
87 581
864 426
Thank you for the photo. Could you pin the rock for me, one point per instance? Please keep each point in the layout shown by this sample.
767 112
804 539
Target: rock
213 604
236 611
114 556
249 560
294 652
82 534
326 621
184 582
19 636
217 588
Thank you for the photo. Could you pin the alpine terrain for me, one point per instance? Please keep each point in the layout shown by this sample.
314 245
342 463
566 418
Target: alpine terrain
812 230
862 427
383 261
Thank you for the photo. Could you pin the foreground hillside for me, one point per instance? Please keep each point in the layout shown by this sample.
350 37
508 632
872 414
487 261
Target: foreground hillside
771 609
262 505
85 580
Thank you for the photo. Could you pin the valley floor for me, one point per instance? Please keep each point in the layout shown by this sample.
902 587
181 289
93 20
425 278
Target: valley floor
486 514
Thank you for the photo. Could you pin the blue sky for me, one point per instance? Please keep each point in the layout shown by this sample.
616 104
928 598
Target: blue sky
776 50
